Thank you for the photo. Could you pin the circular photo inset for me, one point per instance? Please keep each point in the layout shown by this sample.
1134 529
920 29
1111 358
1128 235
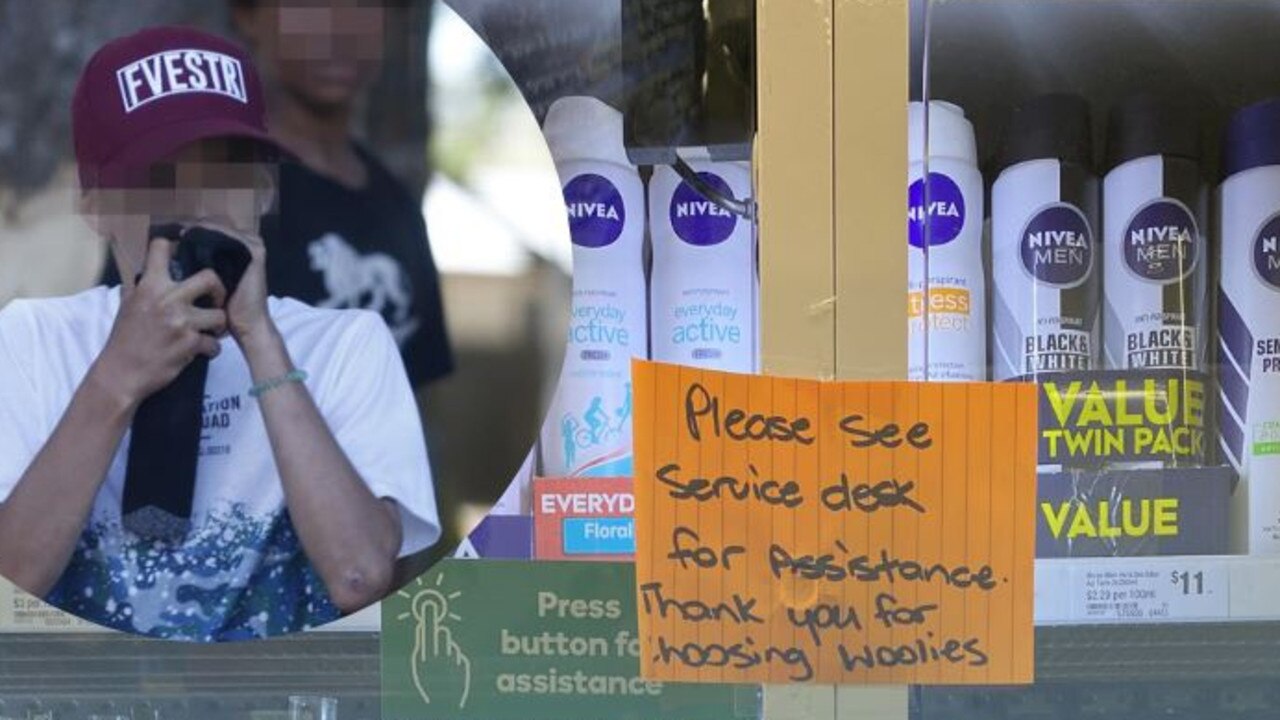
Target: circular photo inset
321 338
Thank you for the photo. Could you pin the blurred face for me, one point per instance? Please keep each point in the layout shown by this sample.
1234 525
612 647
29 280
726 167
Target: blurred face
321 52
216 183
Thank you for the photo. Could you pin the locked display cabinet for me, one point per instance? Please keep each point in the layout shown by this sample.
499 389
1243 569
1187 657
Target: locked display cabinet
1098 187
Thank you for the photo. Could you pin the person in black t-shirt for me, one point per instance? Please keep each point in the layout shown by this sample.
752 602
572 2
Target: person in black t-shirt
347 233
335 246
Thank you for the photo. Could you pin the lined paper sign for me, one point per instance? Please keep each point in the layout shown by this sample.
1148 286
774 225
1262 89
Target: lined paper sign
853 532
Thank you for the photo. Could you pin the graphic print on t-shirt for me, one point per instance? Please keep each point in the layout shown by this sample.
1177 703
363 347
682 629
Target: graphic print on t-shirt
372 282
335 246
219 412
236 576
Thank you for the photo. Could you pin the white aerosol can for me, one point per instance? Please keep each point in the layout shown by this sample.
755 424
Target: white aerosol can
1045 252
947 293
703 284
1156 257
587 431
1249 324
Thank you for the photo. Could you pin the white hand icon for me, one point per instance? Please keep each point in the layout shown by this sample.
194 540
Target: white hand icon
438 662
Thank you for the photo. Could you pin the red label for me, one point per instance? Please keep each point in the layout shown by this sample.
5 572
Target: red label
583 519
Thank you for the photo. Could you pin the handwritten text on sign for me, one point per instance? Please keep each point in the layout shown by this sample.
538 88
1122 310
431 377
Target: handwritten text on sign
802 531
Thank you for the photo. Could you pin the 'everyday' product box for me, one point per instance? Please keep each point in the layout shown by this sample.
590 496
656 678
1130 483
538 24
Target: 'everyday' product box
584 519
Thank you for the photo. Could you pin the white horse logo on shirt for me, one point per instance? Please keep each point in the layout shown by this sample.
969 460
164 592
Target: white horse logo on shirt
350 278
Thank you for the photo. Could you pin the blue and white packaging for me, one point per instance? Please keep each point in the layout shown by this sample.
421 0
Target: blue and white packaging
1155 248
947 286
1249 324
1045 251
588 427
703 287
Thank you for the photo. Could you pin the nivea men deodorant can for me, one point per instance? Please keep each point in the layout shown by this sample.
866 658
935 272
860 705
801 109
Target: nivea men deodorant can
1155 253
1044 242
1249 324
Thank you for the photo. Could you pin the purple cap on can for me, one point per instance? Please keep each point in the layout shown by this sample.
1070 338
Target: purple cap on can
144 96
1253 138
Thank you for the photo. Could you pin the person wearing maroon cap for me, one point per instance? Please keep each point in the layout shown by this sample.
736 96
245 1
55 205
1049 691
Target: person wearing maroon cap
312 477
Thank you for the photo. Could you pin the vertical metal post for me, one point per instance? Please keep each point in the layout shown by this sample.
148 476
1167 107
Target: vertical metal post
831 176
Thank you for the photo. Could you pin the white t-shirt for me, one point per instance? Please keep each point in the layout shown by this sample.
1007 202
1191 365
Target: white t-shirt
240 572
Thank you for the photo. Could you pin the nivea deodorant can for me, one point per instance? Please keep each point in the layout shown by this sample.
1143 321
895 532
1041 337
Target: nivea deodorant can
947 294
1249 323
1044 242
588 427
703 285
1155 251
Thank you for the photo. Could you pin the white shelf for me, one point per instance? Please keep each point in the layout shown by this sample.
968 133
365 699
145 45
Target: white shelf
1230 588
366 620
23 613
1153 590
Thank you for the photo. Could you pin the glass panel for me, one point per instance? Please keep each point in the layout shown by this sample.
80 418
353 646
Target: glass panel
1102 174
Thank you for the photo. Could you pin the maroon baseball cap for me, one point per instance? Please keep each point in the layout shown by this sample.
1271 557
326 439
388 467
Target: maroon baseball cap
144 96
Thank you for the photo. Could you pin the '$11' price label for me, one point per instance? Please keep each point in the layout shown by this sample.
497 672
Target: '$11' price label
1150 592
1190 583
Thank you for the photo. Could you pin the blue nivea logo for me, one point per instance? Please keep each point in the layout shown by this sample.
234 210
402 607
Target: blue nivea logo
699 221
596 211
1057 246
1266 252
1161 241
945 211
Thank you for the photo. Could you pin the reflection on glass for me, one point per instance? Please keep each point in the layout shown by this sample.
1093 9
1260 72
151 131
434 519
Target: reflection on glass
312 707
144 712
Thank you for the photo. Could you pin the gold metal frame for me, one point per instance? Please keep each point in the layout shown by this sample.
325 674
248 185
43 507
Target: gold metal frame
831 173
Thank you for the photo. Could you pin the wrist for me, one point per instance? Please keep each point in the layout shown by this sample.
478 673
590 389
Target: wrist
264 351
110 393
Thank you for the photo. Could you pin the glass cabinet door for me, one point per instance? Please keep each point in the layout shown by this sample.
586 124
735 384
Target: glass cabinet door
1100 190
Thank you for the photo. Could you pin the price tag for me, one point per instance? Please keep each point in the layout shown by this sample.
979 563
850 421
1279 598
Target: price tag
1150 592
20 612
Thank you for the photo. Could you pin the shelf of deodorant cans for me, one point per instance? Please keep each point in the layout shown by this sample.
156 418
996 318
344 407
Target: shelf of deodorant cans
663 269
1142 289
1056 264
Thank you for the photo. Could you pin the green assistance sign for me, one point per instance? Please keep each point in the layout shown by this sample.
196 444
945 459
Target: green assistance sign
526 640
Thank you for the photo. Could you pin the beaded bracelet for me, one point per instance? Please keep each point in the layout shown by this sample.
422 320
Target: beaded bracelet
293 376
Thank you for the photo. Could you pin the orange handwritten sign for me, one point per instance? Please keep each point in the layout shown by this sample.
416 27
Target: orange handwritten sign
833 532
